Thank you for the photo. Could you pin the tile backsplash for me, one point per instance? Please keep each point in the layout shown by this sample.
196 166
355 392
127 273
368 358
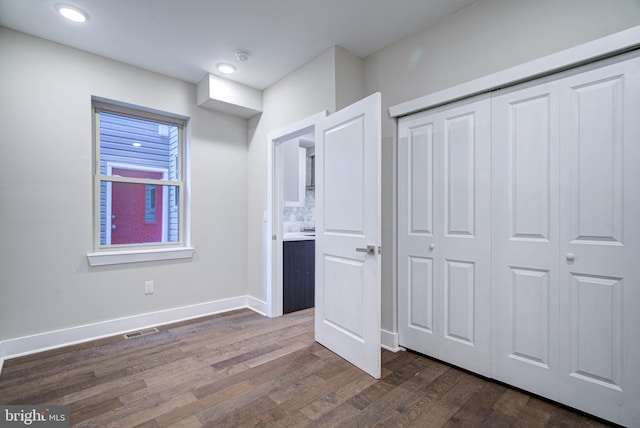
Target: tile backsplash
297 218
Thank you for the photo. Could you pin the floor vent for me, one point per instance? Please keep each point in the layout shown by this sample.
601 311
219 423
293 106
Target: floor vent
141 333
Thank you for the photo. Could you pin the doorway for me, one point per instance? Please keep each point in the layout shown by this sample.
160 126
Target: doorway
290 218
347 260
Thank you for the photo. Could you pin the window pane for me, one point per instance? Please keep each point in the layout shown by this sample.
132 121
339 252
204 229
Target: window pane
131 147
150 203
133 213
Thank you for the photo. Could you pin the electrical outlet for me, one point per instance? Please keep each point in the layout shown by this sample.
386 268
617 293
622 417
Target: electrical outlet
148 287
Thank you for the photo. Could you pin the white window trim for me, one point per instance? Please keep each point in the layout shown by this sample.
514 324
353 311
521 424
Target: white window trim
114 255
104 258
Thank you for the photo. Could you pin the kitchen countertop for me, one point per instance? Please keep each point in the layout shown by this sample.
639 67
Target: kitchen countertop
299 236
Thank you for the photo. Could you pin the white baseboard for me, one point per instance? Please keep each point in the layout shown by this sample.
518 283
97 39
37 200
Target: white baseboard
389 340
257 305
26 345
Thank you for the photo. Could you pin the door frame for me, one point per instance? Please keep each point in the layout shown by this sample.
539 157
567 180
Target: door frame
165 196
273 217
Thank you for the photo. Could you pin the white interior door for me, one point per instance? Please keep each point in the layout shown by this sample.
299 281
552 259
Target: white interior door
444 233
347 314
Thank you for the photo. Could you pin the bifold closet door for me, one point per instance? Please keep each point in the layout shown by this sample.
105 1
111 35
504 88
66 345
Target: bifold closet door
444 234
600 241
566 238
525 298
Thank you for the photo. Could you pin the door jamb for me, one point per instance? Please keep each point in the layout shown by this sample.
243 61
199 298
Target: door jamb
273 217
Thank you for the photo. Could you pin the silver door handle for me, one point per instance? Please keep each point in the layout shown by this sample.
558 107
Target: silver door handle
370 250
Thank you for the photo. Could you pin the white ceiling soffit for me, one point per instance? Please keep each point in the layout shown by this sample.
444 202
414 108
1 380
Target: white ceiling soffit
218 93
187 39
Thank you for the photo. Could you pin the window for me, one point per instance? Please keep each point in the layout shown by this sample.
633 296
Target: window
138 180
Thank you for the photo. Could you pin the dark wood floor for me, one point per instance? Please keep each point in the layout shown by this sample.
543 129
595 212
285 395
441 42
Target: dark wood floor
241 369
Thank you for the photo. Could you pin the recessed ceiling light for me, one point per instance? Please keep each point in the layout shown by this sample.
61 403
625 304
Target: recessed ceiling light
72 13
136 144
226 68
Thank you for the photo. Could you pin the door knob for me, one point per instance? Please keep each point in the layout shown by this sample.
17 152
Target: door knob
113 226
370 250
571 257
432 246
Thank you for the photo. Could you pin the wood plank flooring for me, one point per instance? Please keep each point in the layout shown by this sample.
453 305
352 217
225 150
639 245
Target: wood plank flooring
242 369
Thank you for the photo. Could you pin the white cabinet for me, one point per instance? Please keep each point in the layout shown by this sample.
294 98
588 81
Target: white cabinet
294 167
562 242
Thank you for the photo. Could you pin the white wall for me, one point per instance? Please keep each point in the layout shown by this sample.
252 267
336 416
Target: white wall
348 78
46 193
482 38
488 36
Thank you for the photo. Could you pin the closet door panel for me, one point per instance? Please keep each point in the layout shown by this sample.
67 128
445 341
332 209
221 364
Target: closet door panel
420 296
531 327
596 154
525 133
459 175
444 238
459 287
529 180
416 296
458 188
464 247
600 242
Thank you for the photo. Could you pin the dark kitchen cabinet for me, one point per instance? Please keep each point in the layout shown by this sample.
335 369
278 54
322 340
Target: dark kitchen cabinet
298 279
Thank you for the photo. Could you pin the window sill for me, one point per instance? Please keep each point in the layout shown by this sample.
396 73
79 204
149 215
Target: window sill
105 258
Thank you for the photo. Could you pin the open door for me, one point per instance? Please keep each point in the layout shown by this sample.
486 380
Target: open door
347 315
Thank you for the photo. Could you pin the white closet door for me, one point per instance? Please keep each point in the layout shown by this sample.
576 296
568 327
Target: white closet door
444 258
416 277
600 242
525 136
566 238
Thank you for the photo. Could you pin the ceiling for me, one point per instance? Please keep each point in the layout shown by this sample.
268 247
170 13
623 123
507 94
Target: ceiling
187 39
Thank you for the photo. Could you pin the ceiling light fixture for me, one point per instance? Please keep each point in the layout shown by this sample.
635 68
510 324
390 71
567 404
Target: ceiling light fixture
226 68
72 13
